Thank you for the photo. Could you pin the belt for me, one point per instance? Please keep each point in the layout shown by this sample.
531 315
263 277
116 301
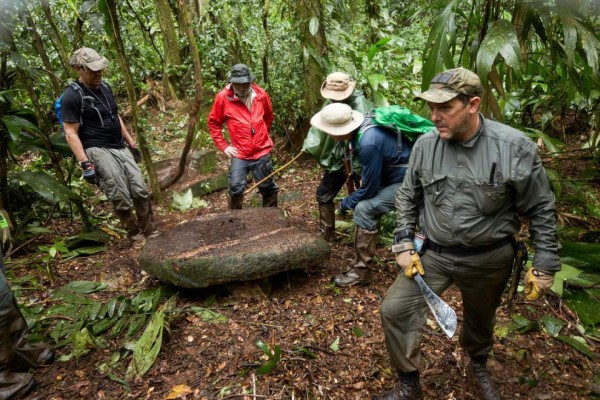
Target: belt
469 251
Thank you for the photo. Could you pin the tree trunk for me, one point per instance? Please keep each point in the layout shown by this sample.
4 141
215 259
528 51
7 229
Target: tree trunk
170 45
372 11
57 38
114 33
307 12
39 47
265 57
193 115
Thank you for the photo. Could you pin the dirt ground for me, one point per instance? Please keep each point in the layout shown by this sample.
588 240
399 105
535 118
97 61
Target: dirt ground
303 310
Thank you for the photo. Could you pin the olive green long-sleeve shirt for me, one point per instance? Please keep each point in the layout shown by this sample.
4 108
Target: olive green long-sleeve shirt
466 201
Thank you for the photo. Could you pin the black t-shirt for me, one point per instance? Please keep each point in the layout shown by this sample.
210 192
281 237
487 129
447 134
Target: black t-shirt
100 120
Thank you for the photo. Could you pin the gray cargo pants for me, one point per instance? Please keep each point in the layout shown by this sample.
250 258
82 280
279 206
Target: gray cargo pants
120 177
481 279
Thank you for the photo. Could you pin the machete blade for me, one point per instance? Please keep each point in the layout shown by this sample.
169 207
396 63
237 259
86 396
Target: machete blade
443 313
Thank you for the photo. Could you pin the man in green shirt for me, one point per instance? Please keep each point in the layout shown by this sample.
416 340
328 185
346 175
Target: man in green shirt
468 183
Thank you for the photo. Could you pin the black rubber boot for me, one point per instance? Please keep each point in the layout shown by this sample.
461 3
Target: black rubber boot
129 223
269 200
236 201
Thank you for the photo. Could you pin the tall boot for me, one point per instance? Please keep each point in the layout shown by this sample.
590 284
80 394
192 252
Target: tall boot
130 225
26 356
270 200
145 216
12 384
236 201
365 243
327 220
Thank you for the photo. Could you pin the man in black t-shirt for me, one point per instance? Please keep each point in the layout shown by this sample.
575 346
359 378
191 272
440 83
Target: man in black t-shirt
101 143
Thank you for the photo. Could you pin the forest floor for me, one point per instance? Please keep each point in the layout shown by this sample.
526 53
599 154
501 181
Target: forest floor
203 360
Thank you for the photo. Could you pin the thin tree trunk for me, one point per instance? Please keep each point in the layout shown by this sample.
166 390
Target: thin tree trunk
39 47
193 115
170 44
265 57
115 35
307 10
57 38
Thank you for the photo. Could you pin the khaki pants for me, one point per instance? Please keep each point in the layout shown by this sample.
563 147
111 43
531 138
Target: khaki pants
481 279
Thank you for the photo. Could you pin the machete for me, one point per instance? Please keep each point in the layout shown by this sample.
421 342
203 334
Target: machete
443 313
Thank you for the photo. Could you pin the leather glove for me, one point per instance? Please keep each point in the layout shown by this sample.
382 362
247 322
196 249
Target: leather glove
135 152
537 283
410 263
89 172
230 151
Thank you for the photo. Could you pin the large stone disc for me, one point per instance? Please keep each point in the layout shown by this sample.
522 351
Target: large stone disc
238 245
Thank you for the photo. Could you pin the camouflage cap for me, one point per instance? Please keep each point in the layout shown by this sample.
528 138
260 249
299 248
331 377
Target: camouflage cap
88 58
448 84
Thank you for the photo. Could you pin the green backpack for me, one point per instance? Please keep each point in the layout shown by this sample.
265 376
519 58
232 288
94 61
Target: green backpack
401 120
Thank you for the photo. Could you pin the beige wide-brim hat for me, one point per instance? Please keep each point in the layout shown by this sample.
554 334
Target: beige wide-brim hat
338 86
337 119
89 58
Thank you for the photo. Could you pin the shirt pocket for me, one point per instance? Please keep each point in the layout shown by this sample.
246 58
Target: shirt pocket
491 197
435 189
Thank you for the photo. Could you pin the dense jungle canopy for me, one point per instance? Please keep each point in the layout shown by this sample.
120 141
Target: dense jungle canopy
538 60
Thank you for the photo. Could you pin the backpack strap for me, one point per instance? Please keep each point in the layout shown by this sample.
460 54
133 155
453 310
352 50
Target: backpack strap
77 88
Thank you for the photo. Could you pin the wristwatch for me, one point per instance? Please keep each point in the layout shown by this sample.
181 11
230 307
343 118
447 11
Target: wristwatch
404 235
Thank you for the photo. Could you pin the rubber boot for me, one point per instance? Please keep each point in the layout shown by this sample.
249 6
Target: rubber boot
236 201
130 225
12 384
145 216
25 356
365 243
270 200
327 220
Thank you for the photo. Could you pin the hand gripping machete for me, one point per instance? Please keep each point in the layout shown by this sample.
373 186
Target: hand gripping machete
443 313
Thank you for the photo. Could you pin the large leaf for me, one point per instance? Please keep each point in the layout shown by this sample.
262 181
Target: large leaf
587 255
208 315
148 346
437 52
16 124
586 304
47 186
578 344
501 40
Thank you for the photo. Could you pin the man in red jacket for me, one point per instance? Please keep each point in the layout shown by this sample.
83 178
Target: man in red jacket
245 108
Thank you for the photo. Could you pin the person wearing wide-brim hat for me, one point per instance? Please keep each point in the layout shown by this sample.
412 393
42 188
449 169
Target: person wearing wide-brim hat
384 159
331 155
245 108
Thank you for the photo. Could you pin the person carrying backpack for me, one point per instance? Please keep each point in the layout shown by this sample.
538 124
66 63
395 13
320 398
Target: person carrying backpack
383 155
332 155
104 148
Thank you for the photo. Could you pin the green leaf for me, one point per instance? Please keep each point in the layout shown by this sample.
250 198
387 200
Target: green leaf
148 346
209 315
307 352
84 287
501 40
356 331
82 342
578 344
313 26
273 357
335 346
376 48
584 303
437 51
16 124
553 325
47 186
567 272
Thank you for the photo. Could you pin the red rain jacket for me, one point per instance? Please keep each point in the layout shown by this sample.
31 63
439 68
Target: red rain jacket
248 129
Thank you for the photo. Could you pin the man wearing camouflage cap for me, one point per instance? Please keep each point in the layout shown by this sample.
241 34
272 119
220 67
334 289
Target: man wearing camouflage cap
468 183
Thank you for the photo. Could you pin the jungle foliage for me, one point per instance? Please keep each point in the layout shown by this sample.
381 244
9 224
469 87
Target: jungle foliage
538 60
